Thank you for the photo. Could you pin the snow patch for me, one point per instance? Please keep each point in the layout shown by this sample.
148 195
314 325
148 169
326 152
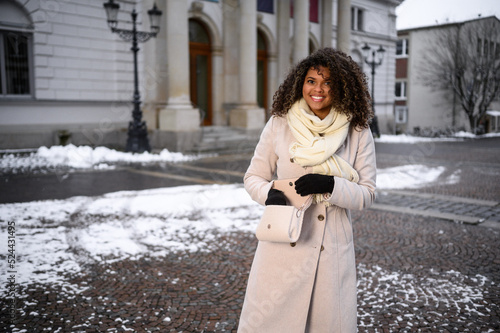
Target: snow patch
83 157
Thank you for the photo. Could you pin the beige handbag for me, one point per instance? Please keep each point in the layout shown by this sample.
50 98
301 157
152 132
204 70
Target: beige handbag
283 224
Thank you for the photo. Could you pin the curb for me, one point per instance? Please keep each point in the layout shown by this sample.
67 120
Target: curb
450 198
428 213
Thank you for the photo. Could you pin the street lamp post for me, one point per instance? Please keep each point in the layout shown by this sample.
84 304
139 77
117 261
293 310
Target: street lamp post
376 60
137 139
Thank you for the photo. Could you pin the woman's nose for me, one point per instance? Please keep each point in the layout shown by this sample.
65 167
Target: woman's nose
318 88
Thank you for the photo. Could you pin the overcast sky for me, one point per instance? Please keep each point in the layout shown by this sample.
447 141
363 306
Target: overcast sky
421 13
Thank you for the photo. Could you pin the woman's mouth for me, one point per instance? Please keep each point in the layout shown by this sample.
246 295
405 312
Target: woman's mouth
317 98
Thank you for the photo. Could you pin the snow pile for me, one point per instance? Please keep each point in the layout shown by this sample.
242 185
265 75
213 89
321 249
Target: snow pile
412 176
463 134
83 157
458 136
404 138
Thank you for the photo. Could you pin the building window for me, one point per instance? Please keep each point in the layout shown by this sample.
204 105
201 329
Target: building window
486 47
15 55
400 90
401 114
357 19
493 120
402 46
266 6
313 11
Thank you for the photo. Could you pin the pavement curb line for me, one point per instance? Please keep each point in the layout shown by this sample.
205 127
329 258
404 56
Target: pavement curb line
427 213
478 202
178 177
210 170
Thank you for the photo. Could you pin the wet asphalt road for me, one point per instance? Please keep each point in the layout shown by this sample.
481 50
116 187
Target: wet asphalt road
482 155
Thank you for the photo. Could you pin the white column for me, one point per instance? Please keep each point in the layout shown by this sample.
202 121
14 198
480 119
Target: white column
178 115
152 76
283 39
300 30
344 26
248 52
272 78
219 117
326 23
247 114
230 36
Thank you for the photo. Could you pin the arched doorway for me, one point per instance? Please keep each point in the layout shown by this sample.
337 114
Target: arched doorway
200 70
312 48
262 60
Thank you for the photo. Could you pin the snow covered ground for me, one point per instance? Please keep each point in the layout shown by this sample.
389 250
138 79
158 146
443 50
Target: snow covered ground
58 238
126 225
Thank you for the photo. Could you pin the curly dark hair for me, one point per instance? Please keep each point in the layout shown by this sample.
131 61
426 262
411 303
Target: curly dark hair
348 89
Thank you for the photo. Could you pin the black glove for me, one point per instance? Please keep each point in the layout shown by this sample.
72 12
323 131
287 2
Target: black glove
314 183
276 197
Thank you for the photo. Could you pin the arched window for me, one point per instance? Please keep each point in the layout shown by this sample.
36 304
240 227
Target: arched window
15 51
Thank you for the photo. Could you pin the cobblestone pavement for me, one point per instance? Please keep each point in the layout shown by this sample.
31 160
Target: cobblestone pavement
435 259
416 274
458 209
428 261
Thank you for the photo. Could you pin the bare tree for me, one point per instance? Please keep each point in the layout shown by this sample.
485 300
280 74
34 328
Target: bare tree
464 59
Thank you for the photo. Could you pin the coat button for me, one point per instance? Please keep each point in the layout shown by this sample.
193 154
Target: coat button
321 217
293 244
322 248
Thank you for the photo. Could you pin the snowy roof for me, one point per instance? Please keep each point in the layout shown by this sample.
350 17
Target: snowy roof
493 113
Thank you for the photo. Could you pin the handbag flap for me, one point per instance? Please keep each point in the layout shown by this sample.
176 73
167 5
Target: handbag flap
287 186
280 224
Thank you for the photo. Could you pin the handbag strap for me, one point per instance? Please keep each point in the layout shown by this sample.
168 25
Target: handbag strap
305 205
299 216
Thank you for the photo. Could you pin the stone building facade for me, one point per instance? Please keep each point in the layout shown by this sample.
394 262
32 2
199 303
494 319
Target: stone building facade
422 109
214 64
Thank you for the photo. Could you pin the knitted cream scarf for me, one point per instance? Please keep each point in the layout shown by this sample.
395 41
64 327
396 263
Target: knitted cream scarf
318 140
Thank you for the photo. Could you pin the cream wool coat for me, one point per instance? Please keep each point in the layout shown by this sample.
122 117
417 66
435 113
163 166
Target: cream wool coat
310 287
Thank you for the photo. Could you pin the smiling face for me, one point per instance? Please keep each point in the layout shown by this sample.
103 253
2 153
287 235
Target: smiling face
316 90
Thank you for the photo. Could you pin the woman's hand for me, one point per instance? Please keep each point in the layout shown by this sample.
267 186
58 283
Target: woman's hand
314 183
275 197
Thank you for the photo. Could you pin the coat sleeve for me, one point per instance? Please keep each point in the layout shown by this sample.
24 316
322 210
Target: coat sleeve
258 178
361 195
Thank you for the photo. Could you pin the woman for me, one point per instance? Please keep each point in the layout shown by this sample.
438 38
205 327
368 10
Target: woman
319 133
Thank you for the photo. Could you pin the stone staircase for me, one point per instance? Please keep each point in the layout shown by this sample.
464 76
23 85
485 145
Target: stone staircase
226 140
